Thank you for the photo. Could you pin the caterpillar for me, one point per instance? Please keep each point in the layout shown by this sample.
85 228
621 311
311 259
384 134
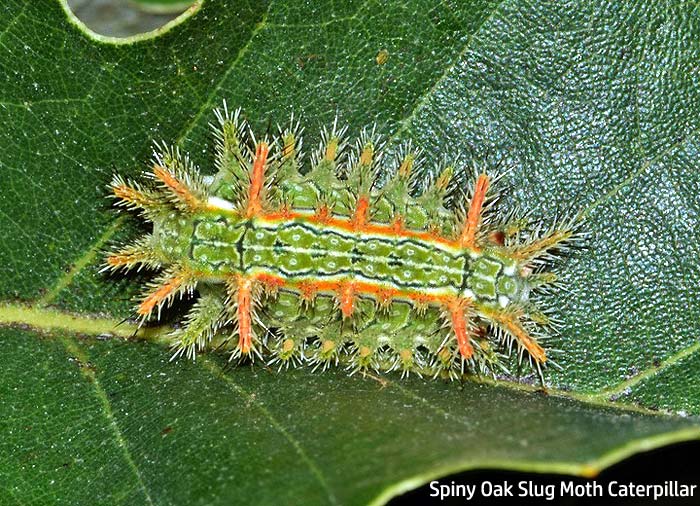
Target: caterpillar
329 265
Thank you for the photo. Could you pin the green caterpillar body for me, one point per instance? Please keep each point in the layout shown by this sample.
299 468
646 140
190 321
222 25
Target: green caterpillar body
327 266
218 245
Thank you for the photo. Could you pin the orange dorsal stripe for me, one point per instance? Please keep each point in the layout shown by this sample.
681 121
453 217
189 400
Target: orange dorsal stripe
376 290
270 282
471 226
322 216
257 180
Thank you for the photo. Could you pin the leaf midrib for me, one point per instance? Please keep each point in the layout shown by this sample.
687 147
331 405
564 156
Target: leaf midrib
48 321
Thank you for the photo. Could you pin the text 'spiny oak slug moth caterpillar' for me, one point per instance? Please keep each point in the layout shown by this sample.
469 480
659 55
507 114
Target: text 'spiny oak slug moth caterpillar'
316 266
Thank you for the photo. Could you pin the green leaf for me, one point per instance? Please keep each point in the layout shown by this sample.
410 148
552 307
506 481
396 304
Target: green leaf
595 107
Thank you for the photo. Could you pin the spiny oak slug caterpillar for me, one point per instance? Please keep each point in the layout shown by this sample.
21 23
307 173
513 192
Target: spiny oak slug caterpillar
328 265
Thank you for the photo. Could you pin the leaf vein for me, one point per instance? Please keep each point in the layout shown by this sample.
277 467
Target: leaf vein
13 22
637 173
74 349
422 101
208 103
217 371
